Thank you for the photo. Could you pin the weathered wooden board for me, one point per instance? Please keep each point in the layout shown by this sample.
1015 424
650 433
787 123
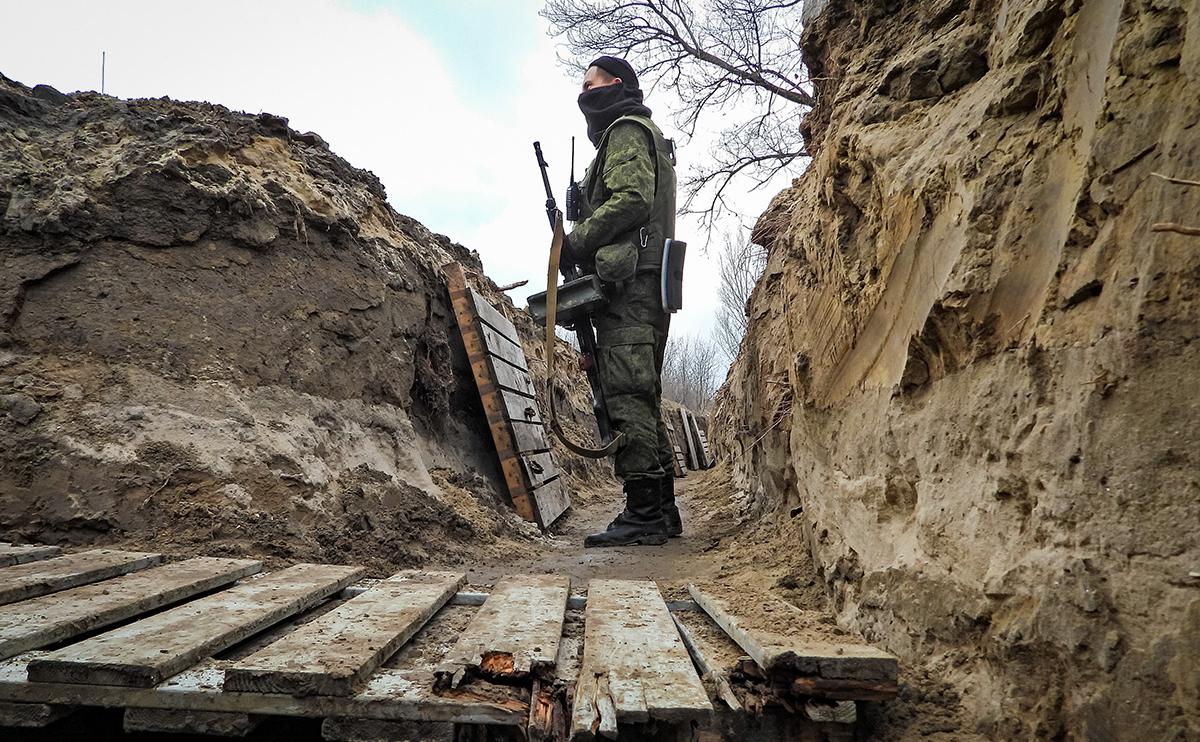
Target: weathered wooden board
48 619
529 437
692 431
680 465
509 401
390 694
635 667
501 347
187 721
552 500
512 378
784 639
334 654
707 666
29 580
516 632
11 554
510 406
31 715
491 316
689 448
538 468
147 651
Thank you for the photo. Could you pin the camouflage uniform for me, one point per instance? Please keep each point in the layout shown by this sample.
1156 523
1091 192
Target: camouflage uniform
628 210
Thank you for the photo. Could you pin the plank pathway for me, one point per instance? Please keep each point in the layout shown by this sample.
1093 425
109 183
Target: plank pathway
515 633
31 579
335 654
635 667
153 649
53 618
531 656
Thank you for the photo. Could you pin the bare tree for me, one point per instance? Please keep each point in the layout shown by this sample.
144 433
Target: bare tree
739 56
740 264
690 368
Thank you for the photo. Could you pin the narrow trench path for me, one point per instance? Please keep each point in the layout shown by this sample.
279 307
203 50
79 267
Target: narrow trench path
673 564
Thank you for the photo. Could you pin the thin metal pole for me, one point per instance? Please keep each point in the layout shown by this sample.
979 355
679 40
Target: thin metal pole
103 59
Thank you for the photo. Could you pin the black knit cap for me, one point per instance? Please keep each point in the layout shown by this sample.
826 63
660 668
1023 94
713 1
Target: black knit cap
617 67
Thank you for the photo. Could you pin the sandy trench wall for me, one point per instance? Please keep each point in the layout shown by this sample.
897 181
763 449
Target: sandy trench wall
215 331
988 399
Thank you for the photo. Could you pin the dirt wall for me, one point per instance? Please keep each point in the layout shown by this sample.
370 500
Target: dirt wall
972 365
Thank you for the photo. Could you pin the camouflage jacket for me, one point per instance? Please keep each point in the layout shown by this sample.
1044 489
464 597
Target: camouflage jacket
628 199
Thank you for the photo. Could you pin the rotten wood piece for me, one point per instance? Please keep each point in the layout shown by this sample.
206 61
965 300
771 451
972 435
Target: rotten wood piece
635 667
336 653
48 619
507 391
783 639
515 634
145 652
11 554
188 721
389 694
689 446
29 580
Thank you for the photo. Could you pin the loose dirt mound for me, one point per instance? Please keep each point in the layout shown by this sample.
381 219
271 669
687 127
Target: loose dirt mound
971 365
215 331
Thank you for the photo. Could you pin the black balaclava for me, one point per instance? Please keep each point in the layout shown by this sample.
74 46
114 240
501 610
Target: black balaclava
602 106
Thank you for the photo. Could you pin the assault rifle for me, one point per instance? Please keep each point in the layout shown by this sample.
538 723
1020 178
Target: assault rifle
577 298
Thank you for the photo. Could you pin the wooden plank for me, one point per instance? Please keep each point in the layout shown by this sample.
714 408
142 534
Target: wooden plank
31 715
680 468
516 632
492 316
11 554
53 618
539 468
693 462
390 694
708 670
29 580
512 378
334 654
552 501
516 407
147 651
693 433
784 639
529 438
187 721
501 347
633 660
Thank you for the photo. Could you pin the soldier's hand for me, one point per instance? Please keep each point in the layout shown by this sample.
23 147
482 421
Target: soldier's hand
566 259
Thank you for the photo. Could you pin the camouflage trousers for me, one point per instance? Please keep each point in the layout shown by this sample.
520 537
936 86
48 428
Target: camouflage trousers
631 336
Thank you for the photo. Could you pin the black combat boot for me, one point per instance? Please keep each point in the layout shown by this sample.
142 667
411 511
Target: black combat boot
666 489
640 523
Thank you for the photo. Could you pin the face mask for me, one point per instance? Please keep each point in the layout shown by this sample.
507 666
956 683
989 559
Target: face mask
604 105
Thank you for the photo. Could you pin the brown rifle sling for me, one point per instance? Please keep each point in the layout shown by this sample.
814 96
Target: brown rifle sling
551 307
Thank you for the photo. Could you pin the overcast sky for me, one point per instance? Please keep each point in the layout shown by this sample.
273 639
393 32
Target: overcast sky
442 100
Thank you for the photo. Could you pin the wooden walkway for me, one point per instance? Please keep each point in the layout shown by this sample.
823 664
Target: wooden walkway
212 646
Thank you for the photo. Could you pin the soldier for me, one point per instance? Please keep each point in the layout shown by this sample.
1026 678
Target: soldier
628 211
